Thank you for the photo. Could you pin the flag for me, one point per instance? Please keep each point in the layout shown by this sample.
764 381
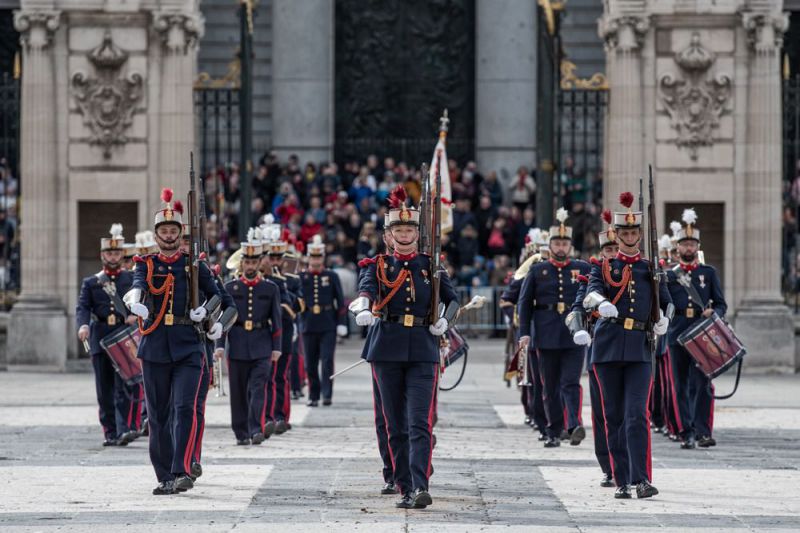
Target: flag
447 189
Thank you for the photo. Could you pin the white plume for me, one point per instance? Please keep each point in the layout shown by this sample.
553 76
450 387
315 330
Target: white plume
561 215
144 239
258 234
116 231
251 234
675 227
268 220
689 216
664 242
316 239
534 234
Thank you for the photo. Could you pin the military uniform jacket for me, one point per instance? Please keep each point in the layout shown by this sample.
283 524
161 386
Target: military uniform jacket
291 295
546 297
324 301
612 341
95 309
258 329
708 287
163 343
393 341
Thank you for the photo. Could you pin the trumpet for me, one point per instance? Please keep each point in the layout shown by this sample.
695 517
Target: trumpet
218 382
523 369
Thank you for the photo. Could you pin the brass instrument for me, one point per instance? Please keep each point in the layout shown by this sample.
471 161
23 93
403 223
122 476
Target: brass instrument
234 261
525 381
219 384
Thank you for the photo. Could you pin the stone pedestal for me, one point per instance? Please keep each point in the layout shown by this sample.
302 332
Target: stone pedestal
505 85
36 336
767 330
302 79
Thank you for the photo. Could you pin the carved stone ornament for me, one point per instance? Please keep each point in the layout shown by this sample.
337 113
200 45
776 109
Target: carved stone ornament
765 31
107 100
179 31
625 32
696 100
36 28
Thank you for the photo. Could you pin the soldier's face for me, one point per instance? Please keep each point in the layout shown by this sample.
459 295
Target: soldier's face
264 264
111 258
186 244
250 267
168 237
315 263
629 237
609 251
275 260
559 248
404 235
688 250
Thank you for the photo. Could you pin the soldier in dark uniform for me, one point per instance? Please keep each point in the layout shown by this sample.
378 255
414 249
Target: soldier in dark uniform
97 316
546 296
288 266
172 350
324 319
695 392
253 345
404 350
581 324
292 303
620 290
129 250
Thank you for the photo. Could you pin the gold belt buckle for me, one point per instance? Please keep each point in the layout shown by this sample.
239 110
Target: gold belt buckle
560 308
248 325
628 323
690 312
316 309
408 320
112 320
169 319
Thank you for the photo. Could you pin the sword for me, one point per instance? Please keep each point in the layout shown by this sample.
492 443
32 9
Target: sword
349 368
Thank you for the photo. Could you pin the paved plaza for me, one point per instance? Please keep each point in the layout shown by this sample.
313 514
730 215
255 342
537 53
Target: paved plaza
324 475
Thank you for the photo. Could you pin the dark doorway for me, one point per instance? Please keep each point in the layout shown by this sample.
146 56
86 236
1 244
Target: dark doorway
711 223
94 221
399 63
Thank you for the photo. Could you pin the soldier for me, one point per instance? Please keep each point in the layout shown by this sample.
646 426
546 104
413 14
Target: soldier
581 324
546 295
404 349
700 299
100 312
254 345
129 250
289 264
621 292
324 319
172 350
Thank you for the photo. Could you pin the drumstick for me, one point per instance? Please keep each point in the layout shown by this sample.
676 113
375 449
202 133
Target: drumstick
351 367
86 346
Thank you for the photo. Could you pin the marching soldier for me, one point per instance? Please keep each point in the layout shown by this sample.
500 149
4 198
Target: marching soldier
404 348
621 292
699 296
172 350
546 296
129 250
324 319
581 324
100 312
254 345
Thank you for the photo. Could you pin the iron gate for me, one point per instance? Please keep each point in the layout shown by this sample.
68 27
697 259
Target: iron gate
217 121
9 122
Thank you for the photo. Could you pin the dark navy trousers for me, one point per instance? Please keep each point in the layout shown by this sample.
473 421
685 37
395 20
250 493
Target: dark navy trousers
561 379
119 405
599 424
408 395
381 431
171 390
320 347
533 396
200 411
695 394
625 390
249 381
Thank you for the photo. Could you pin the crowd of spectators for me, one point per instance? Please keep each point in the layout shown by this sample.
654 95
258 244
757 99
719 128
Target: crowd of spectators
346 205
9 242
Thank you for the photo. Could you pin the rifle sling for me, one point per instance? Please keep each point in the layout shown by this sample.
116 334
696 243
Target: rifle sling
116 301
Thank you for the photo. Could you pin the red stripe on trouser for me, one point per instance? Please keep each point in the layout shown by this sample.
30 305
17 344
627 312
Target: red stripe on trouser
198 446
649 436
263 421
673 395
711 410
272 396
187 454
431 410
580 405
386 421
130 413
139 404
603 408
287 389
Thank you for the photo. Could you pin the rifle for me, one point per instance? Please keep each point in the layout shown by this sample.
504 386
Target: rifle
655 269
194 235
424 208
436 239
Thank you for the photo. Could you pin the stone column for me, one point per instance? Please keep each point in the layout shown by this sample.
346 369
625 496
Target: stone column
179 33
505 85
38 324
763 321
302 78
624 32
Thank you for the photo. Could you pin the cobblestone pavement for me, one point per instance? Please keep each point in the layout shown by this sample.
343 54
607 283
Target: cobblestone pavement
324 475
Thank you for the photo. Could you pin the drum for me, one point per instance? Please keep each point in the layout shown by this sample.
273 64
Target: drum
456 346
122 346
453 351
713 345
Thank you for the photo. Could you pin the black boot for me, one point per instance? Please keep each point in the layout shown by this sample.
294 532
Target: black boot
623 492
645 490
257 438
706 441
197 470
552 442
607 481
243 442
280 427
164 488
421 499
389 488
269 429
577 435
406 502
688 443
183 483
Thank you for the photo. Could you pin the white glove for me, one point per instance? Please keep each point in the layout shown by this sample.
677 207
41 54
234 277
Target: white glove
341 330
439 328
198 315
662 325
139 310
607 310
582 338
365 318
215 332
83 332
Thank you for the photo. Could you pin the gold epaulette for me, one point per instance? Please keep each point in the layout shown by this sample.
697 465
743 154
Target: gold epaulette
523 269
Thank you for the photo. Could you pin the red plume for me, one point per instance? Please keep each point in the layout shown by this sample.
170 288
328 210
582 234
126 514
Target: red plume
397 197
527 239
178 206
607 216
300 247
626 199
166 195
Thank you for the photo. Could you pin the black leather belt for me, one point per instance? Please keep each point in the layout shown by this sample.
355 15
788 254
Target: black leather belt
561 307
689 312
250 325
178 321
629 323
407 320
